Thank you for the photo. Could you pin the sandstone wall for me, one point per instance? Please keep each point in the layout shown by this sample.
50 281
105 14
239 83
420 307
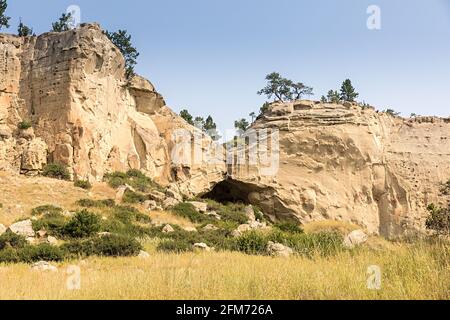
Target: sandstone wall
345 163
72 87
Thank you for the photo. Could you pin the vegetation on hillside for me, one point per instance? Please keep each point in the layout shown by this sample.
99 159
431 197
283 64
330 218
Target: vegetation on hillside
122 40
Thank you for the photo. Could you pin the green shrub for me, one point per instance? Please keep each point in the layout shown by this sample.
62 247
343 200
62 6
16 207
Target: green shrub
232 212
252 243
107 246
289 227
11 240
187 210
84 224
42 252
46 210
83 184
89 203
57 171
24 125
438 220
173 246
134 178
53 223
30 254
133 197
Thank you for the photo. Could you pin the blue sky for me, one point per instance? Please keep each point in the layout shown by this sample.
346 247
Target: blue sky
211 56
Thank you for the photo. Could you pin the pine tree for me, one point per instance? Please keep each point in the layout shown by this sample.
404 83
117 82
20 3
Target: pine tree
63 24
4 20
122 40
187 117
333 96
348 92
23 30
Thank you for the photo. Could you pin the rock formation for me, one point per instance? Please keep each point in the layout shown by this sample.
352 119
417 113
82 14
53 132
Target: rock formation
339 162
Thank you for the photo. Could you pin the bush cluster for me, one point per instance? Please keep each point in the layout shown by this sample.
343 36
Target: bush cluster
134 178
57 171
83 184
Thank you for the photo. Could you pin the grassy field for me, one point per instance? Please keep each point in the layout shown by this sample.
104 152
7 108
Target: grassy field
408 272
418 270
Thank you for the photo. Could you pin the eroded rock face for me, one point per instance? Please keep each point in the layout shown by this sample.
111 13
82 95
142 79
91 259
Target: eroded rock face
350 164
85 114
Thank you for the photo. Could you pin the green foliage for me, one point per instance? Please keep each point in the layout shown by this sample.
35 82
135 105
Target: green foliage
241 125
173 246
4 20
230 212
289 227
187 210
265 107
57 171
122 40
89 203
83 184
322 243
445 190
127 221
63 24
333 96
30 254
84 224
106 246
12 240
392 113
54 223
132 197
24 125
438 220
23 30
284 89
187 117
134 178
46 210
348 92
253 242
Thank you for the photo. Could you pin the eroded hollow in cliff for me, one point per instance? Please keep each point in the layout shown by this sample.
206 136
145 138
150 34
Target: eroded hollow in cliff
265 198
231 190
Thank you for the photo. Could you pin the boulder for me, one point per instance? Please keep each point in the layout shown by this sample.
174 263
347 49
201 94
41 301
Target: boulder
2 229
199 206
23 228
122 190
250 213
169 203
52 241
355 238
214 215
143 255
172 193
151 205
190 229
210 227
43 266
157 196
168 229
202 247
279 250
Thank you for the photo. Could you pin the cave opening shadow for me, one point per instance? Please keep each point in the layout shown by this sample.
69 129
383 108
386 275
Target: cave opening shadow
230 190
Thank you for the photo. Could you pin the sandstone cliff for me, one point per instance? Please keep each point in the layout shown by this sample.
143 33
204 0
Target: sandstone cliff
350 164
335 162
86 115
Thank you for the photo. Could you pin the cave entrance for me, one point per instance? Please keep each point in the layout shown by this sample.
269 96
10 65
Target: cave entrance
231 190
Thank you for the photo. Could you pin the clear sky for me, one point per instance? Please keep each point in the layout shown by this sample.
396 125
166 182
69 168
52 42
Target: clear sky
211 56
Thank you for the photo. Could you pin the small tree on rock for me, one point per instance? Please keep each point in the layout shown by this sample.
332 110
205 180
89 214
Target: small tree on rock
284 89
439 220
4 20
23 30
187 117
241 125
122 40
348 92
63 24
333 96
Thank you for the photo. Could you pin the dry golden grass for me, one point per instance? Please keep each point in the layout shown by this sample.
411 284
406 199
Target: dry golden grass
20 194
418 272
330 225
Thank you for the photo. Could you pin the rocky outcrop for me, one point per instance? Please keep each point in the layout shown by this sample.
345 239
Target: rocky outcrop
338 162
347 163
71 86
